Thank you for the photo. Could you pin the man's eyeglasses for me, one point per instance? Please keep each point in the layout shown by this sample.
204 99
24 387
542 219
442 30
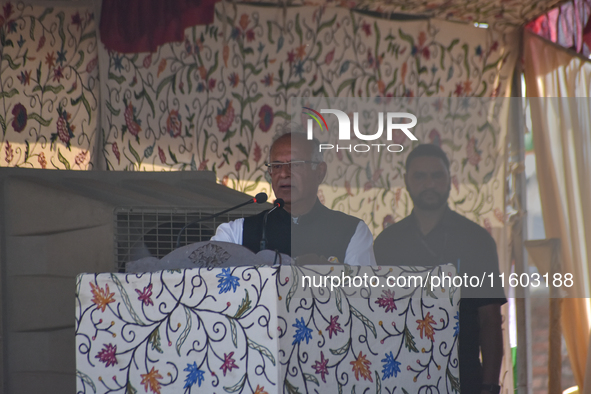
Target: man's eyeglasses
296 165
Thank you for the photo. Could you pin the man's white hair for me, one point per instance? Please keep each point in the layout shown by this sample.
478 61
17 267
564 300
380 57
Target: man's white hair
297 129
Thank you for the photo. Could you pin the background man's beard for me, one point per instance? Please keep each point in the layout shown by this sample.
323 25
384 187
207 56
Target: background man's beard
429 206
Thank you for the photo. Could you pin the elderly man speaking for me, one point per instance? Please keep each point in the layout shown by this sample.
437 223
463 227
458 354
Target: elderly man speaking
304 226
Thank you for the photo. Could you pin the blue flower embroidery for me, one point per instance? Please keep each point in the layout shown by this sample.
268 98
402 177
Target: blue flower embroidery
457 326
227 281
302 332
391 366
194 375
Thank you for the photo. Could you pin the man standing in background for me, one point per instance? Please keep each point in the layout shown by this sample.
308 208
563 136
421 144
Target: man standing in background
433 235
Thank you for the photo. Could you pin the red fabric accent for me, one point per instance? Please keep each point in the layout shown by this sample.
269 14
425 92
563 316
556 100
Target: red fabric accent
587 34
131 26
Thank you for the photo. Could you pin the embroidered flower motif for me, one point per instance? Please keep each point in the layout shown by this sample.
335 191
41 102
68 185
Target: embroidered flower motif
151 379
50 60
108 355
65 130
291 56
77 20
25 77
361 367
366 27
9 153
260 390
421 49
435 137
145 295
115 150
229 363
457 326
41 43
472 152
102 297
195 375
302 332
147 62
334 327
174 124
58 74
426 326
132 123
203 165
257 152
499 215
329 57
387 301
244 21
266 115
80 157
225 117
388 221
20 117
321 367
227 281
161 155
42 161
234 79
391 366
268 80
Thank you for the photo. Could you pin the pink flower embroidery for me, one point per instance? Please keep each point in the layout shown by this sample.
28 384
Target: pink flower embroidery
387 300
107 355
472 152
321 367
144 296
174 124
334 327
229 363
161 155
225 117
115 149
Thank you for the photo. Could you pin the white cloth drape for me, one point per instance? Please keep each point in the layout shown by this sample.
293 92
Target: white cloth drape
558 91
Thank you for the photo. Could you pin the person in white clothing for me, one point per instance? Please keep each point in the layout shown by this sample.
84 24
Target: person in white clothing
304 226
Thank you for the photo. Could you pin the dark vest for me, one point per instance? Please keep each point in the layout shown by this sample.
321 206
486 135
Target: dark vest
321 231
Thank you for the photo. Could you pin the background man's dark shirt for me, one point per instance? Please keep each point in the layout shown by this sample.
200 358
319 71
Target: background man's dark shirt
463 243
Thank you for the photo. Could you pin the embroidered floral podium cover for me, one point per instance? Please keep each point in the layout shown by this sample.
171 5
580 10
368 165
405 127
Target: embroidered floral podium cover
258 330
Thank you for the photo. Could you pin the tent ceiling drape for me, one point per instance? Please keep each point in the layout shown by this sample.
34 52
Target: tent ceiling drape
137 26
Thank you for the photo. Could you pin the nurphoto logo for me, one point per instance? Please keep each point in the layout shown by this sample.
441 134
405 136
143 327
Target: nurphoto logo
345 129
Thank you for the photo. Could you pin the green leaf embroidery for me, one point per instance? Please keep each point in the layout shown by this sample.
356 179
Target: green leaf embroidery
126 300
154 340
364 320
186 331
342 350
237 387
261 349
244 307
63 160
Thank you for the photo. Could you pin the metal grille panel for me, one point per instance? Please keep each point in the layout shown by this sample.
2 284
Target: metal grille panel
143 232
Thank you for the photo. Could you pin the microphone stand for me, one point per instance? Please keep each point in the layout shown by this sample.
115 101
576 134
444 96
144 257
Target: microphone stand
259 199
279 203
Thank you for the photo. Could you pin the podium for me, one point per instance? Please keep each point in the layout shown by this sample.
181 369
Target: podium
265 329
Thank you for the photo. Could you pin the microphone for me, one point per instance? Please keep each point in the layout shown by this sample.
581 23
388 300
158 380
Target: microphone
259 199
279 203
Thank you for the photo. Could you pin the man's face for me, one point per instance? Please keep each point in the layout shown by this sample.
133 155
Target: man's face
298 187
428 182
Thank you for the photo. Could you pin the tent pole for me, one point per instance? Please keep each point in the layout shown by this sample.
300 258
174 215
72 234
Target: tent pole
519 230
